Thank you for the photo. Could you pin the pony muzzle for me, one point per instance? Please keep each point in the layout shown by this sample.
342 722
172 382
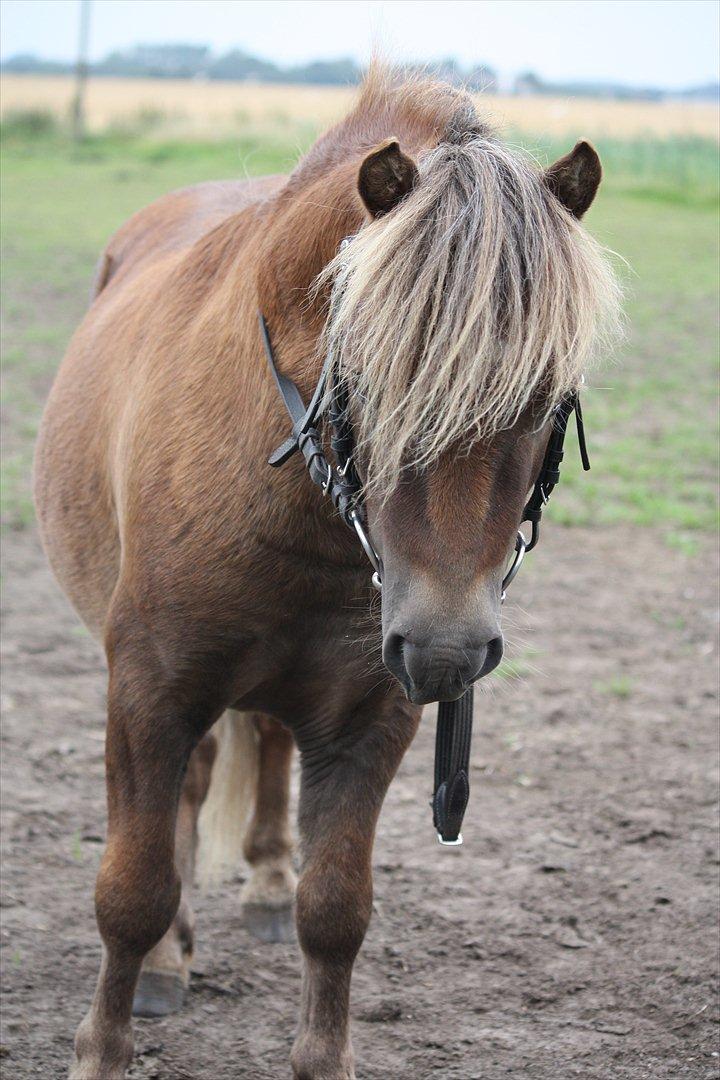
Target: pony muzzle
434 670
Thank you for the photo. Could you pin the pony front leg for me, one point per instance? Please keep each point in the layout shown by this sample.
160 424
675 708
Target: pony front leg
153 726
343 786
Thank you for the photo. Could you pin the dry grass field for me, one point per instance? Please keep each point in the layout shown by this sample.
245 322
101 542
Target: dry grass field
216 109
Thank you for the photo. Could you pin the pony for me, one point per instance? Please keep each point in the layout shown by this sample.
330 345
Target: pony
463 299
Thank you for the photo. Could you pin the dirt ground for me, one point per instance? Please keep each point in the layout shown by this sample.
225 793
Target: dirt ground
572 936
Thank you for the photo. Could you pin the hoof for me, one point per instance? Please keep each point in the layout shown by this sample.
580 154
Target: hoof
158 993
270 924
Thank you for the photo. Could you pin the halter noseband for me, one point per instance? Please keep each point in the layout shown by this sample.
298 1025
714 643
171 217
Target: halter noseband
342 484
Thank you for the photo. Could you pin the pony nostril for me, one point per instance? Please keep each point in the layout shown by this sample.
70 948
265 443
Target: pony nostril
493 656
411 663
392 653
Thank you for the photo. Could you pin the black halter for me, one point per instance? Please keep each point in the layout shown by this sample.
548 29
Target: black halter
342 484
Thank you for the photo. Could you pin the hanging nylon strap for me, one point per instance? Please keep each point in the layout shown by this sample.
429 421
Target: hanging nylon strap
452 767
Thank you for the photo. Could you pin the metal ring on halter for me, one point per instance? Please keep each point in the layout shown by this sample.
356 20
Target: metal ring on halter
367 548
520 545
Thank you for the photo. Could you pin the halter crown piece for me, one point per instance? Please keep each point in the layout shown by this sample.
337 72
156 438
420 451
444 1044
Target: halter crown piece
341 483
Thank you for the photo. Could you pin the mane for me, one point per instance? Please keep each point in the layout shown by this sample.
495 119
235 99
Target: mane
477 296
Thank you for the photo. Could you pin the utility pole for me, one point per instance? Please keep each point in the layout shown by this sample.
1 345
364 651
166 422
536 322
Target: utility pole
81 73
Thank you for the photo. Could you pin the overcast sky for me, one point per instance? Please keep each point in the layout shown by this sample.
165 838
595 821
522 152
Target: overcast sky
670 43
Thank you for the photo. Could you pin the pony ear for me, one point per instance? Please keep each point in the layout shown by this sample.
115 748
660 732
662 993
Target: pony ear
386 176
575 178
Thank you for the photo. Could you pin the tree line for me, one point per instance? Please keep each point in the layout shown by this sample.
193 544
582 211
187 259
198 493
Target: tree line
199 62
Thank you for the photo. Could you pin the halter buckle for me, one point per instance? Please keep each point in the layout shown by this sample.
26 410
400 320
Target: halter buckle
450 843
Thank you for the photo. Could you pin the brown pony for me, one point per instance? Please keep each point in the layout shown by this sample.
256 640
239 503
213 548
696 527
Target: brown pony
465 304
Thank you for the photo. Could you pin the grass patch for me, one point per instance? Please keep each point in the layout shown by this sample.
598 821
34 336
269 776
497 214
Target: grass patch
28 124
16 505
516 667
508 670
621 687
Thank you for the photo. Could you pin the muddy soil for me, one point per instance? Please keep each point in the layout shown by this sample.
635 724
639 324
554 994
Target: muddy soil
572 936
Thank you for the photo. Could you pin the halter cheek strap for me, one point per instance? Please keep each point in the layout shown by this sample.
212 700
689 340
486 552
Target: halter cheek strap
341 483
550 472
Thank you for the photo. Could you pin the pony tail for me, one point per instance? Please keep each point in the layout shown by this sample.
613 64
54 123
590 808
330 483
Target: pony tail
224 816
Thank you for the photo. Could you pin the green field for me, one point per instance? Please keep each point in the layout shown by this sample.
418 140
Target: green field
651 414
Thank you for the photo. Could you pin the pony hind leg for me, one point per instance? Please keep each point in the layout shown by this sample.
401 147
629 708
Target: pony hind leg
268 897
165 972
